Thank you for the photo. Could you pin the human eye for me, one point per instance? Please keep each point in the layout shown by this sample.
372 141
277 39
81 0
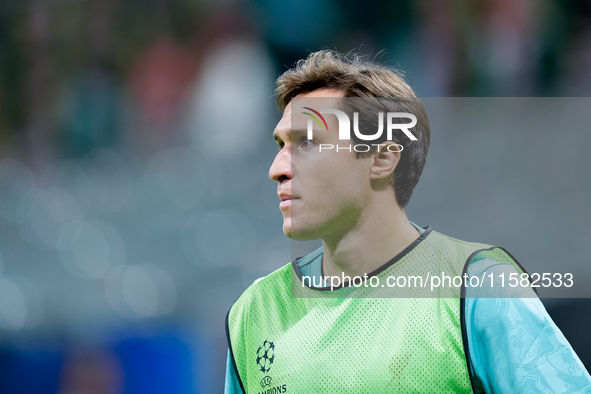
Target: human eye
306 143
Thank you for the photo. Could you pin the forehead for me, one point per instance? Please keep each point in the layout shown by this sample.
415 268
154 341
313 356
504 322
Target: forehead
295 117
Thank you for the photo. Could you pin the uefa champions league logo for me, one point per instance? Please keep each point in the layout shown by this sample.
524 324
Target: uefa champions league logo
265 356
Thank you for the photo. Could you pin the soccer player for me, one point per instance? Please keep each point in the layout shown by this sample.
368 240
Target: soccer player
295 331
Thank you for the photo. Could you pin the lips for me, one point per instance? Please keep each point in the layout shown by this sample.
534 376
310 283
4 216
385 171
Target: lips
286 200
284 195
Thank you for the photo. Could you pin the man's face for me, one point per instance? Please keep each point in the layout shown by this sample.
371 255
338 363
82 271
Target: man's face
322 193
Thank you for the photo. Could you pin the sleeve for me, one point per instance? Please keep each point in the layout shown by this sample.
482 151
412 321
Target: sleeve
514 346
231 386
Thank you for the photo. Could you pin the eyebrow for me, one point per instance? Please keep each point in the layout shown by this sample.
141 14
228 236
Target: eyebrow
289 133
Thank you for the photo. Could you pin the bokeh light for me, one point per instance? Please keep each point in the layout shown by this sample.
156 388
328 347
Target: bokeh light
140 291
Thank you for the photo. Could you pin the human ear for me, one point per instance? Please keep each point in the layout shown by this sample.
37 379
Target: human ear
385 160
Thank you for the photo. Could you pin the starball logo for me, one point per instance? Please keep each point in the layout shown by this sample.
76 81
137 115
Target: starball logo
265 356
345 129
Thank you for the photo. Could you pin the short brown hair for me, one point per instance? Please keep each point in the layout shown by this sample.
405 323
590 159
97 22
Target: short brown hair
356 76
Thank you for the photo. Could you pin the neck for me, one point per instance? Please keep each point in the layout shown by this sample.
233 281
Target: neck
377 237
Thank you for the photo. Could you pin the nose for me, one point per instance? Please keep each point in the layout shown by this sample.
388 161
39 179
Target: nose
281 168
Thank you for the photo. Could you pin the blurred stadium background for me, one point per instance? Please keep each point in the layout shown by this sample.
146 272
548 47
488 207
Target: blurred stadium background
134 147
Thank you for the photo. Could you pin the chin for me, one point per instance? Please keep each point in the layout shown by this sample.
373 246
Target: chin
287 227
298 234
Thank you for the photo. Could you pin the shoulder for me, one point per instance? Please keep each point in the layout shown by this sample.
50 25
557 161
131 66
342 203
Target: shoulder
268 286
478 257
458 243
266 295
453 253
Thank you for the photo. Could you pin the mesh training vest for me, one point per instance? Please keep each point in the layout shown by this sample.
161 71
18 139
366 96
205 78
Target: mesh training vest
288 338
